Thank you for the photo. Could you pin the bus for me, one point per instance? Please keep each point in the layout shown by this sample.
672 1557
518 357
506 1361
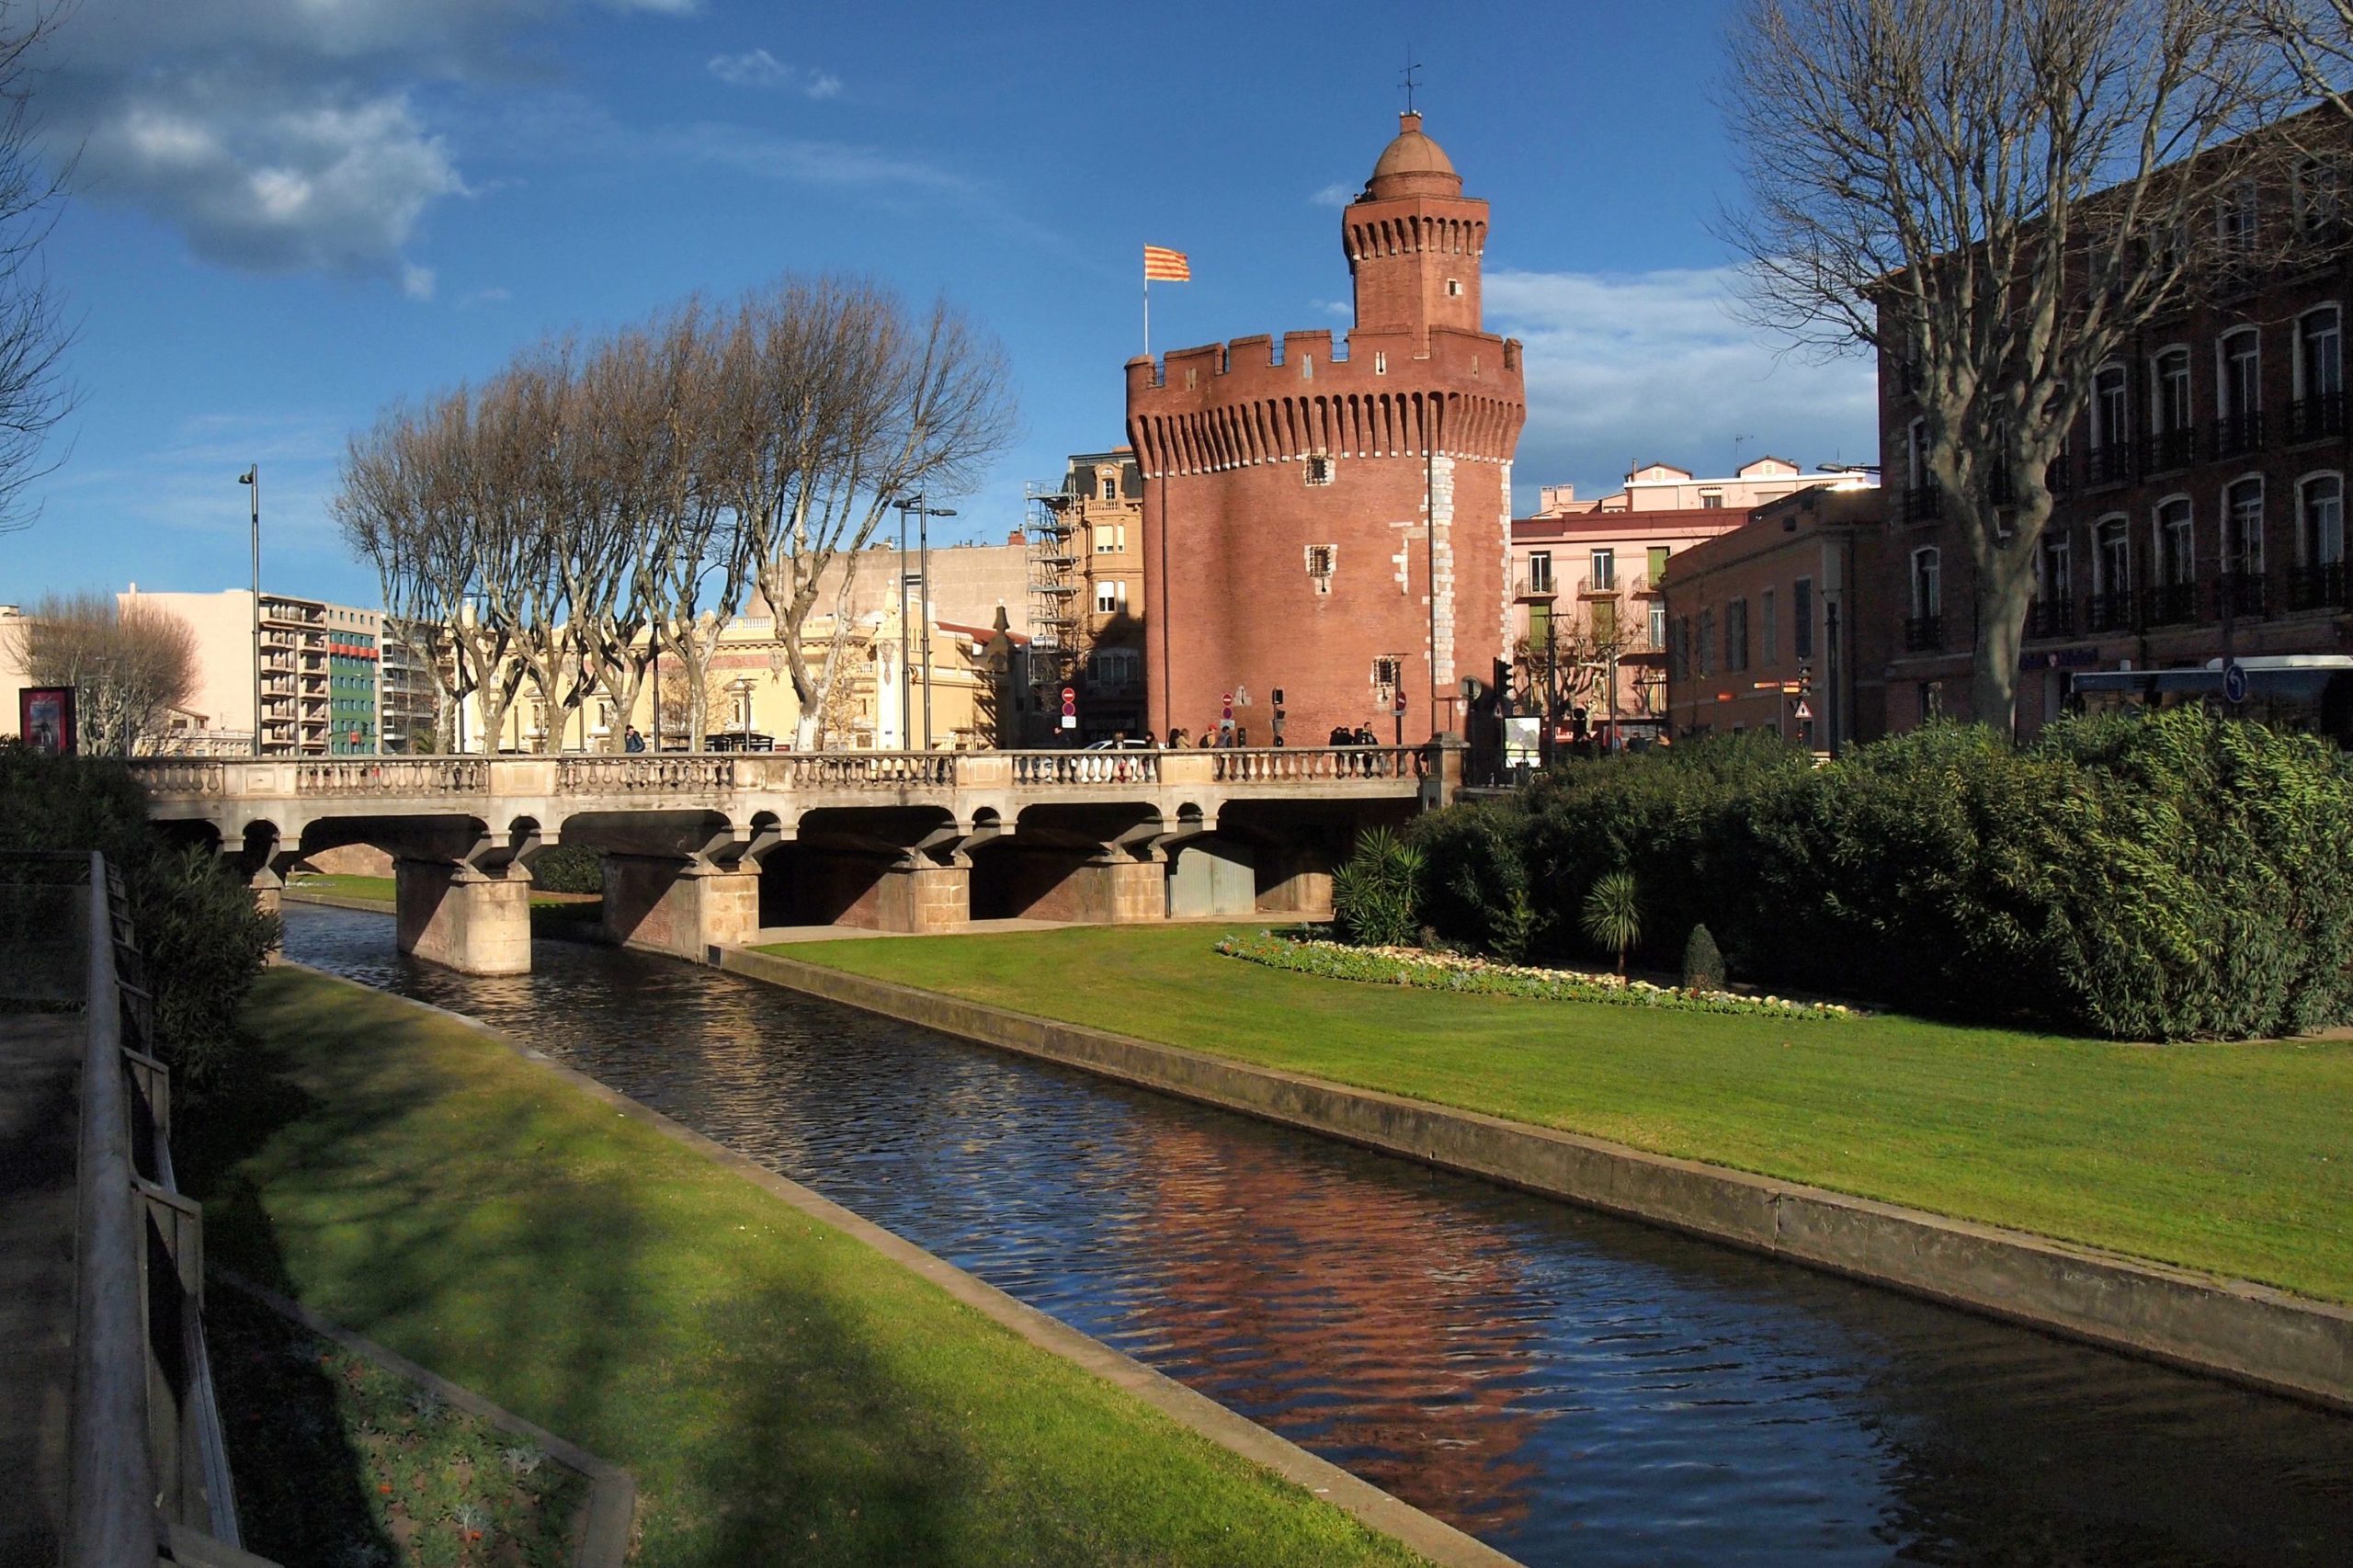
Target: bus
2306 693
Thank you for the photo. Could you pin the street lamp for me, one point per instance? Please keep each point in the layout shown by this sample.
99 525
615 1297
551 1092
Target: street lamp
252 477
923 513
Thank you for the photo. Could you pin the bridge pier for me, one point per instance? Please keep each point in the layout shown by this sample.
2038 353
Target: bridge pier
1110 888
457 914
681 906
919 894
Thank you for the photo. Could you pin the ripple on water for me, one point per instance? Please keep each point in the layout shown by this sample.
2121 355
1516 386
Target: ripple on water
1569 1387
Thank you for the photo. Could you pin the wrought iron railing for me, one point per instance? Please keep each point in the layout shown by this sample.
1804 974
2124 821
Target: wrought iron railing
2238 433
2110 611
2312 418
2111 464
2170 604
2317 587
2239 594
1924 633
2169 450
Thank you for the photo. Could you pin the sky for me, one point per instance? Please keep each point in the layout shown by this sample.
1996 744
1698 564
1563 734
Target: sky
286 215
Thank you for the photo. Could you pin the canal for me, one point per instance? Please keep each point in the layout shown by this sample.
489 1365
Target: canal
1569 1387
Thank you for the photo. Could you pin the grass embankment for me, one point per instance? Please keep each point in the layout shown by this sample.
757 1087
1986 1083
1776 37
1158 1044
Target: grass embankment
2236 1159
782 1392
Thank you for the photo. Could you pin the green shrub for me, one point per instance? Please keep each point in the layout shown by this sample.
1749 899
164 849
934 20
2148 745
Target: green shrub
203 940
1703 964
2161 876
568 868
1613 915
1374 896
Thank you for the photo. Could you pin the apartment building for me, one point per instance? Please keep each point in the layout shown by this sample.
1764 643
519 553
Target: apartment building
318 675
1086 596
2200 507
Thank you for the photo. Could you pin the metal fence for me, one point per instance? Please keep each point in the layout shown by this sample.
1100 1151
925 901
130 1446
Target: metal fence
146 1457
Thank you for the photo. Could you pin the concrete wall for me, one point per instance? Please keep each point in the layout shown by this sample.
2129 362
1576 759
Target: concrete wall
1210 877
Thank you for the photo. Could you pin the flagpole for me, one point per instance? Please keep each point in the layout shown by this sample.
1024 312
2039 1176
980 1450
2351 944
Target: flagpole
1147 315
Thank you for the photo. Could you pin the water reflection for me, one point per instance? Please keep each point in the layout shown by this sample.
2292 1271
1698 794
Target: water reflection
1569 1387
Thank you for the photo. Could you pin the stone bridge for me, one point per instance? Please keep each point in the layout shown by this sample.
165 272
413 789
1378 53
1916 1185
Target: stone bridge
703 849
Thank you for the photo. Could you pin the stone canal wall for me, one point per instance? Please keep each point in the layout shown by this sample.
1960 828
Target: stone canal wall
2248 1332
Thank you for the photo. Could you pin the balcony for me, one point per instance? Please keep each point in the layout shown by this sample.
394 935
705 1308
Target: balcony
2172 603
1533 585
2317 587
2169 450
2111 464
2235 434
2051 617
1593 588
2239 594
1922 504
2108 612
2316 418
2059 477
1924 633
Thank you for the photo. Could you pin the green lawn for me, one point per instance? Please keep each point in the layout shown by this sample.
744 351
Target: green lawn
2232 1158
782 1392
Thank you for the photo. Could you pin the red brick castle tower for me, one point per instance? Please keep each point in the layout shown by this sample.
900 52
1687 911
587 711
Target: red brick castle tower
1333 520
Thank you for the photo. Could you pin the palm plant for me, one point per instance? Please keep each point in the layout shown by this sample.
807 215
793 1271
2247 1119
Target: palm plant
1613 915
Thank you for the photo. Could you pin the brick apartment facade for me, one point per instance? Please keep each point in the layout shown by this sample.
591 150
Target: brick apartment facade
2200 503
1331 518
1087 598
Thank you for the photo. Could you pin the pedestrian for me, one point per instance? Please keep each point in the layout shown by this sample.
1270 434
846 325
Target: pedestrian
1341 736
1209 739
633 741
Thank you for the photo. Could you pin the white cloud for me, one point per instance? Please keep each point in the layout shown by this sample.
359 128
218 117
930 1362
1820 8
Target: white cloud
1340 308
1625 367
759 68
1334 196
292 141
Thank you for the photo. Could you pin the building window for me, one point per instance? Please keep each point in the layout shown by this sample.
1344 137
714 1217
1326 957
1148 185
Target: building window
2058 585
1801 618
2319 196
1388 675
1113 672
1110 537
2173 412
1658 623
1927 582
2320 503
1604 564
2243 528
1539 572
1769 630
2241 392
2234 217
1321 558
2320 355
1319 470
1454 288
1932 701
2111 418
1110 595
1110 487
1706 642
1678 639
1380 362
2177 546
1712 500
1540 624
2112 557
1658 565
1736 635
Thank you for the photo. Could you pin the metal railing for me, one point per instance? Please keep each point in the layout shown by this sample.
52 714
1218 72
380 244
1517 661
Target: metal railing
2172 448
2240 594
2111 464
146 1455
2169 604
2051 618
1924 633
2317 587
2110 611
2311 418
2237 433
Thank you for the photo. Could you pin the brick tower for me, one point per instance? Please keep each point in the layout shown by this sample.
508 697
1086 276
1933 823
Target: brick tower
1333 518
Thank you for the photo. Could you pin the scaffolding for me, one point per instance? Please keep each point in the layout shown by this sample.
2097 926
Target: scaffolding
1056 616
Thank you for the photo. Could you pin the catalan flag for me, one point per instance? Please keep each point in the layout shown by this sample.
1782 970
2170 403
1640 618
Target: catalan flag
1162 265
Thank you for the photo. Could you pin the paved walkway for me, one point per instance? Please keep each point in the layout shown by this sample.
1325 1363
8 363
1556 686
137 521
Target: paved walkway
40 1062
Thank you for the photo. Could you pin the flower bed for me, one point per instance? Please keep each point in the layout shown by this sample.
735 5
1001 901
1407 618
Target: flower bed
1453 972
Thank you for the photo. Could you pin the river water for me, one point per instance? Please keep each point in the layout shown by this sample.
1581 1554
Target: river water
1569 1387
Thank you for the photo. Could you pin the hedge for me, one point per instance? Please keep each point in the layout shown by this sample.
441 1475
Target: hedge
2166 877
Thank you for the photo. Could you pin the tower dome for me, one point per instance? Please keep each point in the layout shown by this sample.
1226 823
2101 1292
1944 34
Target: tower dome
1413 164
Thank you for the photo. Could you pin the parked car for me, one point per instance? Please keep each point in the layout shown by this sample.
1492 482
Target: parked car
1127 743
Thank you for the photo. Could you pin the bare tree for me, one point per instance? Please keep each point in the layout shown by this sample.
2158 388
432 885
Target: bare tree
841 403
129 667
34 335
2315 36
1994 196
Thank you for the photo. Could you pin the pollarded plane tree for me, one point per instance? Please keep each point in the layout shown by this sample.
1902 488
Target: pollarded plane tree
1996 196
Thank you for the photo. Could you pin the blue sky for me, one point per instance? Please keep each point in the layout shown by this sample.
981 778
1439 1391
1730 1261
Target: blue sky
289 213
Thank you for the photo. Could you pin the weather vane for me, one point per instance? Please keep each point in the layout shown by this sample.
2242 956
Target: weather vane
1407 77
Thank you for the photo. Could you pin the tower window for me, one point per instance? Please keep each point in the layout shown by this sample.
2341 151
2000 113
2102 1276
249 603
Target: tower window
1320 560
1388 673
1454 288
1319 470
1380 362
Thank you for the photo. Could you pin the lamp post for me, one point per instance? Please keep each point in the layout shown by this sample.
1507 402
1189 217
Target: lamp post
252 478
923 513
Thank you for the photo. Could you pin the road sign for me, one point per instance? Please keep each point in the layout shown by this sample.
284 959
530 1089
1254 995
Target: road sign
1229 705
1804 713
2234 684
1070 707
1398 706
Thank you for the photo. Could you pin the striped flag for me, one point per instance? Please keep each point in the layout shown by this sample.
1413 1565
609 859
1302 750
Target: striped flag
1162 265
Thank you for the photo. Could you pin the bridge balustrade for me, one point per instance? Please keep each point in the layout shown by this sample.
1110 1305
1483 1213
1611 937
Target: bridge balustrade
639 773
1287 764
393 775
1035 767
852 769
